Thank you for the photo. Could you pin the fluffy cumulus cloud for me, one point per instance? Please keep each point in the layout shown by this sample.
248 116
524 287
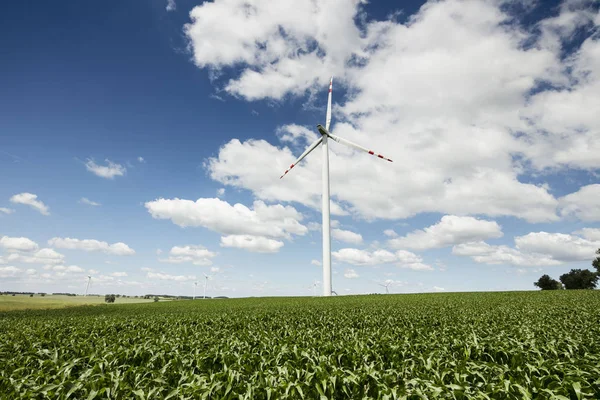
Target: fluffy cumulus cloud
582 204
419 95
485 253
449 231
559 246
10 272
167 277
119 249
256 244
41 256
256 229
4 210
196 255
390 233
64 268
32 201
535 249
171 6
17 244
350 274
402 258
592 234
108 171
346 236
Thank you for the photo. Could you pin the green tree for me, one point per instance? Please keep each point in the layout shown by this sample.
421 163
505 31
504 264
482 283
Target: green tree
547 283
596 262
109 298
579 279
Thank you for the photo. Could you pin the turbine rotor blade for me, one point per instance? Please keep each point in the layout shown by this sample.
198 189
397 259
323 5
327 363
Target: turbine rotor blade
308 150
354 145
328 119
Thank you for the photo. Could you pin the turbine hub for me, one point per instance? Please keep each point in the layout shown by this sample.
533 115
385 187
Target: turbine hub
322 129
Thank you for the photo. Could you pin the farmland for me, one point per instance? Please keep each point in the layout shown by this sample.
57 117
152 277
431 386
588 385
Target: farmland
543 345
24 302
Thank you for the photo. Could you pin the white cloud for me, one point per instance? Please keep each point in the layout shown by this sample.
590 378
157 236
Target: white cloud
167 277
171 5
30 199
64 268
93 271
119 249
484 253
350 274
31 271
215 270
390 233
257 244
9 272
220 192
316 262
108 171
85 200
18 244
440 90
141 159
296 134
449 231
346 236
438 289
5 210
274 221
196 255
559 246
592 234
562 132
119 274
402 258
582 204
42 256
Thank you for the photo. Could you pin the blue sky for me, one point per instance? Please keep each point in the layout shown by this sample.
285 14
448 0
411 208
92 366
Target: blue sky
175 123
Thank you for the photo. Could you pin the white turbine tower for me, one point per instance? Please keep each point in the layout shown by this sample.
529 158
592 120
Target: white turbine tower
88 285
325 134
386 286
206 277
314 287
195 285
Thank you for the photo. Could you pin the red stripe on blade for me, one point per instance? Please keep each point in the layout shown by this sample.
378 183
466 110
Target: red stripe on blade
371 153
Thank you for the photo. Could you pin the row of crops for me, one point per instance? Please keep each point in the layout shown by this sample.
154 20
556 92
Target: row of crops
541 345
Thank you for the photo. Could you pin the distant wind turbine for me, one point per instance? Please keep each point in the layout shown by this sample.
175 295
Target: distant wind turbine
206 278
88 285
195 285
314 286
386 286
325 134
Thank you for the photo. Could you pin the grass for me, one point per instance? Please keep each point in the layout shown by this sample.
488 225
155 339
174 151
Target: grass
37 302
503 345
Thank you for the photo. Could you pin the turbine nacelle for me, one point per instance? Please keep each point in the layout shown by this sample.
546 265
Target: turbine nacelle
322 130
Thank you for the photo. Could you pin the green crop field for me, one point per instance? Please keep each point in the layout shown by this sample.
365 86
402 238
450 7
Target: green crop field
24 302
520 345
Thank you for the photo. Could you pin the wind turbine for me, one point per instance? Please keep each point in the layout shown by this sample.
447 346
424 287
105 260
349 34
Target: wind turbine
325 134
314 286
206 277
195 285
386 286
88 285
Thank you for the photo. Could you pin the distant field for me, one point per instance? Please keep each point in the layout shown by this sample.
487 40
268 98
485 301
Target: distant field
24 302
518 345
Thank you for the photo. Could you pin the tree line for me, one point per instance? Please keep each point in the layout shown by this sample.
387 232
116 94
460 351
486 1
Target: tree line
574 279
